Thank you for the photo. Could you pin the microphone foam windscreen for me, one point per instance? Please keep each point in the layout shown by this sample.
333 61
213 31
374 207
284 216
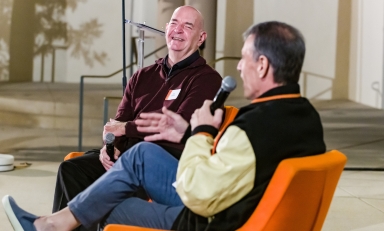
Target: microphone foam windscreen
228 84
109 138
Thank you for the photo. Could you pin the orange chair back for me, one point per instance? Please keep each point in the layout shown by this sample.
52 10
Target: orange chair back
299 194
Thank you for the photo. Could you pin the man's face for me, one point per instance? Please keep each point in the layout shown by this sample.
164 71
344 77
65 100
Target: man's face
248 70
184 32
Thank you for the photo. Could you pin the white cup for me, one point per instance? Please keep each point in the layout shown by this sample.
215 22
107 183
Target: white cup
6 162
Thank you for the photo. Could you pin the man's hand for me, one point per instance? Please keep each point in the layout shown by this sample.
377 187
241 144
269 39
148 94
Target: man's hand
203 116
104 158
168 126
115 127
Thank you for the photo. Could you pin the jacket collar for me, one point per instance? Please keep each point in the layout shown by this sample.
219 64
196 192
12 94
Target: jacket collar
291 90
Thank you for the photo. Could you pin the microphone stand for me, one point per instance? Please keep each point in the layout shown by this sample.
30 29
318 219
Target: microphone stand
124 79
142 28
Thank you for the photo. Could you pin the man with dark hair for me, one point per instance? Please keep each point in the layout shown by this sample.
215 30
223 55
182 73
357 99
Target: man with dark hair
284 47
220 190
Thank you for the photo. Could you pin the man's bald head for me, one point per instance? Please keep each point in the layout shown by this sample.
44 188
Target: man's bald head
200 18
184 33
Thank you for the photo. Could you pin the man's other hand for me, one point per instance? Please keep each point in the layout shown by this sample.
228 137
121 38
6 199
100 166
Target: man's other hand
104 158
115 127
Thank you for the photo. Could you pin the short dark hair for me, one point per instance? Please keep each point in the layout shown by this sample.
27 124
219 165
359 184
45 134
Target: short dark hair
284 47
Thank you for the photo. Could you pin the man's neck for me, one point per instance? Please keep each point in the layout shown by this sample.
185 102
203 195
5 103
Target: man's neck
175 57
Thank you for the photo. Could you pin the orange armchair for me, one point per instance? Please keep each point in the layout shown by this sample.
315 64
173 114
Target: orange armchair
297 198
299 194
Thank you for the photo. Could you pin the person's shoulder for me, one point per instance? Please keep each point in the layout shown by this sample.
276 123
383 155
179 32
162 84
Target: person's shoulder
202 64
155 67
201 68
254 113
158 63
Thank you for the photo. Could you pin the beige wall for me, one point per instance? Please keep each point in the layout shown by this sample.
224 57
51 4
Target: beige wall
208 9
366 60
341 81
317 20
231 25
344 41
97 49
107 44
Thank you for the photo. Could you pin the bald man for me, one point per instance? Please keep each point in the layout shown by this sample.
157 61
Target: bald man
181 82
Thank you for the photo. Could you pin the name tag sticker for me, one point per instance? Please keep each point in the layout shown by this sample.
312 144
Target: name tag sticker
172 94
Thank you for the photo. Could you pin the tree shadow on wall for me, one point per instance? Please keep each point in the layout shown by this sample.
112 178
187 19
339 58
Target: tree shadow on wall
5 22
39 28
81 42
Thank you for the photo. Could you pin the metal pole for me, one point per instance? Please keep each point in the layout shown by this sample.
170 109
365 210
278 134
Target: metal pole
131 43
79 148
42 67
141 49
131 56
382 84
124 80
143 27
106 106
105 117
53 65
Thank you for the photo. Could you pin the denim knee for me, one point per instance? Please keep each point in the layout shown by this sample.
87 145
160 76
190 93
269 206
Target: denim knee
141 150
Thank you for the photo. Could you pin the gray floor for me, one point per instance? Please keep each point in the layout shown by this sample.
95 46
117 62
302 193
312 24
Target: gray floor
40 125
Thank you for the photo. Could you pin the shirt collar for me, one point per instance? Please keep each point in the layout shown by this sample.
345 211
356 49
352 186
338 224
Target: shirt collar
182 64
291 90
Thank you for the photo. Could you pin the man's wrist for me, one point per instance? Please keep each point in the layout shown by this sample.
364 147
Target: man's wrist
123 128
206 129
186 135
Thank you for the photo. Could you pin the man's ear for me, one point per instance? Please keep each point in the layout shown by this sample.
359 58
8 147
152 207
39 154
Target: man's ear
202 38
263 66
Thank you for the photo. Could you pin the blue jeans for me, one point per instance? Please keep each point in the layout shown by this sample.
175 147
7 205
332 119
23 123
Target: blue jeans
144 165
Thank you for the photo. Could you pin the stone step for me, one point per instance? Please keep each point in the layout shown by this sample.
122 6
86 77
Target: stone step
55 106
49 121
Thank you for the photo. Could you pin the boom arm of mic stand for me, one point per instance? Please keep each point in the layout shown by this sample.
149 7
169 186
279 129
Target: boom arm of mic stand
142 28
145 27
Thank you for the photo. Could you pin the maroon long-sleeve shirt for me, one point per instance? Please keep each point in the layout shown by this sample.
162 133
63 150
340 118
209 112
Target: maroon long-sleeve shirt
151 88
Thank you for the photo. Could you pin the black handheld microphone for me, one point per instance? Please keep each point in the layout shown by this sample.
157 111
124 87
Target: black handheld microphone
109 138
227 85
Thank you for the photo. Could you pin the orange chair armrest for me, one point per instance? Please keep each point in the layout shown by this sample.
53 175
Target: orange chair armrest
73 155
114 227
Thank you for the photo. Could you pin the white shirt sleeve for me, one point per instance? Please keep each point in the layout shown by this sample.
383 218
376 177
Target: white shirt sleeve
208 184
